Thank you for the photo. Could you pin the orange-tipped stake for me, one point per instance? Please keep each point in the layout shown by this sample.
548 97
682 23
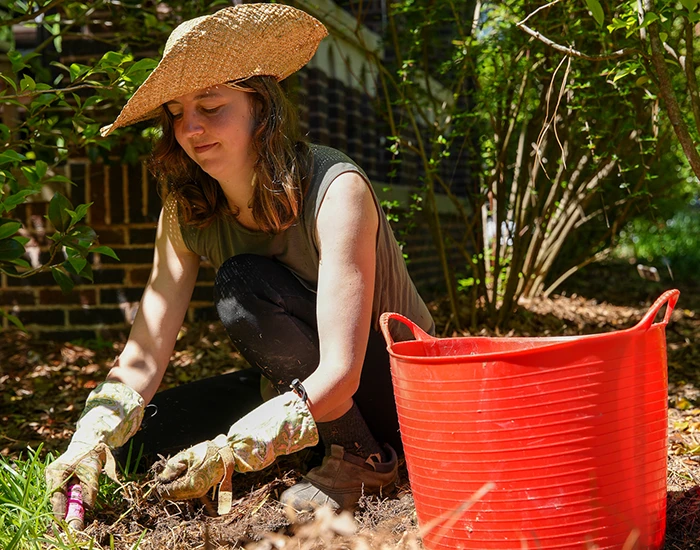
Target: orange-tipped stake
75 512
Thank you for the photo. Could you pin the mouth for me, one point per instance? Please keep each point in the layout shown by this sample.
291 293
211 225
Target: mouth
202 148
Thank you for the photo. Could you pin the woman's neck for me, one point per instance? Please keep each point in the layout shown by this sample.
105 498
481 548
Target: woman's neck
239 195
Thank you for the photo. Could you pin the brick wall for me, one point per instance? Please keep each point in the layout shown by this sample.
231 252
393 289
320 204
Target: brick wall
126 207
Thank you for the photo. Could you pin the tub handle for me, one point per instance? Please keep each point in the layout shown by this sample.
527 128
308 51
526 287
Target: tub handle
418 333
670 297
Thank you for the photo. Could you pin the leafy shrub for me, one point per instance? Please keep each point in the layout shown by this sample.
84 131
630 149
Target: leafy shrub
674 242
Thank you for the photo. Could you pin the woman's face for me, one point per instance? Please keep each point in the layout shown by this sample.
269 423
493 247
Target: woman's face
214 126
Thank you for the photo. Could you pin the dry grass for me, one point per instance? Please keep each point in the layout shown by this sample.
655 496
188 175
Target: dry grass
43 385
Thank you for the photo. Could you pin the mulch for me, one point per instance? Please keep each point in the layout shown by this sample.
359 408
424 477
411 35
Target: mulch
43 385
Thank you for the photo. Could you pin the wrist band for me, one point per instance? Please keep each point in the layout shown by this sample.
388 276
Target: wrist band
299 390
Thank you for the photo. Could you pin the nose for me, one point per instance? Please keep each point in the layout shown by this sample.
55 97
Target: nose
191 124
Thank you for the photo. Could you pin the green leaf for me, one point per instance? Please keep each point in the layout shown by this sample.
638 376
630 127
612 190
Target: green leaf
597 10
22 240
10 250
10 81
4 133
87 272
8 229
59 179
27 83
18 198
146 64
42 100
77 263
14 320
111 60
690 5
62 278
30 173
41 168
22 263
649 18
11 156
77 70
663 36
58 214
79 212
621 24
107 251
17 61
83 234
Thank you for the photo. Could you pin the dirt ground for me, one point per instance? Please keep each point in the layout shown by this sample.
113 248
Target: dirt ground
43 386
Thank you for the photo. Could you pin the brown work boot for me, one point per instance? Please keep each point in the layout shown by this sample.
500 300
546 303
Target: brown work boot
341 480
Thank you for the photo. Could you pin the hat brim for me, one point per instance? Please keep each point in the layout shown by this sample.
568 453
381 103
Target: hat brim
232 44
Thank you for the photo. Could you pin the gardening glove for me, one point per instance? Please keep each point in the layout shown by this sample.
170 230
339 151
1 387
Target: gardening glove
113 413
280 426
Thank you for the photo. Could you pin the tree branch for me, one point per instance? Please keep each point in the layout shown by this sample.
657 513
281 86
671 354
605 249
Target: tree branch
666 90
575 53
33 15
691 80
537 10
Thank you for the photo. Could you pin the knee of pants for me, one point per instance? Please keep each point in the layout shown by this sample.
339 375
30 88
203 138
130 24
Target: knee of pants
238 287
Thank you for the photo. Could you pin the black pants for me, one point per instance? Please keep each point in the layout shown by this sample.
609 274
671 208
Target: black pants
271 318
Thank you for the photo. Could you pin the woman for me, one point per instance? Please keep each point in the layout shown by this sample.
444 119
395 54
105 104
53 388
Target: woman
305 263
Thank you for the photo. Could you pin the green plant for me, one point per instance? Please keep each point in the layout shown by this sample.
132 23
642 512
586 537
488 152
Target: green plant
53 111
549 148
652 42
671 245
95 344
26 519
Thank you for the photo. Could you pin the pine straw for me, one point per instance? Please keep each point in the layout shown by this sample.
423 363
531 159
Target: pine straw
43 385
257 521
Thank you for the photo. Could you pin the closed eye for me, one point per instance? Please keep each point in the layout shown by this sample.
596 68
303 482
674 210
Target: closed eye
212 110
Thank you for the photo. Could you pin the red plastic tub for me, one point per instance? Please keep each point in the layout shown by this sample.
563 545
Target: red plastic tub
537 443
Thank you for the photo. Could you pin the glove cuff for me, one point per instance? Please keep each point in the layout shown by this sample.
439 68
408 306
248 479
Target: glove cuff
113 413
280 426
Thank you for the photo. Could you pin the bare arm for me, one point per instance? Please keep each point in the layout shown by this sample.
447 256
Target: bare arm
165 300
347 231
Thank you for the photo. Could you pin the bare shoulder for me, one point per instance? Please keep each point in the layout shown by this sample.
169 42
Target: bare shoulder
348 210
348 193
169 226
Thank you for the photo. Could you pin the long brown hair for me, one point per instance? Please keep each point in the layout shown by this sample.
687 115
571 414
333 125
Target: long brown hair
282 168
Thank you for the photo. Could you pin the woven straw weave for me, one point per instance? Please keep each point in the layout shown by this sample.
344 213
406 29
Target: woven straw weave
231 44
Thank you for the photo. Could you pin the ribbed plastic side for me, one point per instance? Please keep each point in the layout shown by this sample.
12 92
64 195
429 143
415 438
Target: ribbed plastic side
567 442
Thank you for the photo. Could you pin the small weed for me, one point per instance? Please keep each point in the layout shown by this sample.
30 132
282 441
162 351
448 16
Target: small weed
95 344
26 517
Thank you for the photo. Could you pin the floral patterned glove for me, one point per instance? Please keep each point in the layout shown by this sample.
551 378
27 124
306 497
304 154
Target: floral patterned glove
280 426
113 413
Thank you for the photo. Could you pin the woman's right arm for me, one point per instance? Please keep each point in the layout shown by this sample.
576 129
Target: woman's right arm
163 306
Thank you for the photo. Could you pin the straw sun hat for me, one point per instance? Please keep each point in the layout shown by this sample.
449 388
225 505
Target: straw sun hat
232 44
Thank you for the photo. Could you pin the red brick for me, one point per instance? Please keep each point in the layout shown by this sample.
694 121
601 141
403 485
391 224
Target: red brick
130 255
142 236
47 317
80 296
120 295
96 316
111 236
16 297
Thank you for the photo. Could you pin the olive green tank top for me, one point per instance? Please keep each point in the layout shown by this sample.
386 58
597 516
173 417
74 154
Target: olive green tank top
297 247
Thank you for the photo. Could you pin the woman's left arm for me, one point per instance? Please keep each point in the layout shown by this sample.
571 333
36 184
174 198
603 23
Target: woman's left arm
347 224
